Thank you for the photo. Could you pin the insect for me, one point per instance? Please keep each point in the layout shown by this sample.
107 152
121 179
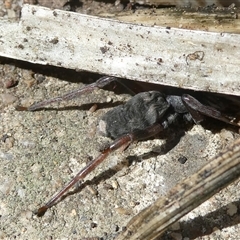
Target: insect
142 117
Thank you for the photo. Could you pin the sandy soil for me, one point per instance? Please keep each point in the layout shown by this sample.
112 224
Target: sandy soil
41 151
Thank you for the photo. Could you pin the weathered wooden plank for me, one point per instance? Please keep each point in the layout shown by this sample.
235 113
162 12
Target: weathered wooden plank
214 20
188 3
189 59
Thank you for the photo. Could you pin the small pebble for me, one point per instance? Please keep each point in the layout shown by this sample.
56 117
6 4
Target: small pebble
8 4
92 109
182 159
176 236
4 137
115 228
109 99
123 211
6 187
108 186
133 204
175 226
232 209
6 156
39 78
9 142
92 190
93 225
73 212
21 192
10 82
29 82
11 13
115 184
227 135
8 98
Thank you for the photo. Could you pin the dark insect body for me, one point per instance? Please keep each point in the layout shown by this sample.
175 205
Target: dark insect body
148 108
142 117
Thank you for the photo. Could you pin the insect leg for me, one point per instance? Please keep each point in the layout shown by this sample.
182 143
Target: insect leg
125 140
197 110
100 83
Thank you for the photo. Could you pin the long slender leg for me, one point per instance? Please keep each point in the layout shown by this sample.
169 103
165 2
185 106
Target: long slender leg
195 107
100 83
125 140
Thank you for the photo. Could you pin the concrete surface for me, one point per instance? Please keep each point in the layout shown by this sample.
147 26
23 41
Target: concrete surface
41 151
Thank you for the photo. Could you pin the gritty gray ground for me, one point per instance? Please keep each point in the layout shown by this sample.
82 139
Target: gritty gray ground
41 151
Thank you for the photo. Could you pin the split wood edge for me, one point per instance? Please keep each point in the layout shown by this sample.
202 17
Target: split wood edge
154 220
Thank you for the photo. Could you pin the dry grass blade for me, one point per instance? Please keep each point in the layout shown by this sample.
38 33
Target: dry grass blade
184 197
